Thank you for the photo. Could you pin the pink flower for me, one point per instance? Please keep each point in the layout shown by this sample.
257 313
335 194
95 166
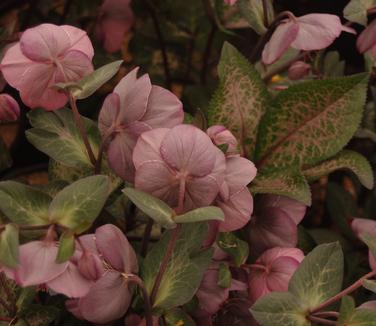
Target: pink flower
272 271
299 70
135 106
179 165
275 223
222 136
115 19
47 54
367 40
111 293
362 226
230 2
307 33
9 108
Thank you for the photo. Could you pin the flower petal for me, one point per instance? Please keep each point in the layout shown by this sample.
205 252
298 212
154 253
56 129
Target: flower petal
76 65
363 225
239 173
108 116
280 273
367 39
79 40
9 108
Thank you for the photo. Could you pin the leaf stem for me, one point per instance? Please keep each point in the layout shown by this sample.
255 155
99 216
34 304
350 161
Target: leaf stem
346 291
148 312
265 12
322 320
146 237
102 148
81 128
326 314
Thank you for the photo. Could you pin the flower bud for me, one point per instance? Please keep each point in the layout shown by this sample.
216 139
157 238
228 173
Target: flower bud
299 70
222 136
9 108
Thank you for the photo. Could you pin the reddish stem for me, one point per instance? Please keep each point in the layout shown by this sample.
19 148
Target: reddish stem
321 320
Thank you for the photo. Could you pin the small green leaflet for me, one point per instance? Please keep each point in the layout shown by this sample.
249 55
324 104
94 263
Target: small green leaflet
235 247
9 243
346 311
201 214
224 276
356 11
370 242
362 317
66 247
253 12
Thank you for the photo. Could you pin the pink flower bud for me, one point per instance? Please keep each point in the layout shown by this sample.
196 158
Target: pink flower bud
222 136
9 108
299 70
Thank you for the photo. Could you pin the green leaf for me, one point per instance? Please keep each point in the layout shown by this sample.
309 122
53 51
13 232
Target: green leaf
279 309
310 122
9 243
66 247
253 13
370 285
90 83
333 66
284 183
23 204
25 298
346 311
241 99
153 207
185 269
362 317
201 214
177 317
5 158
78 205
56 135
370 242
356 11
224 276
319 276
235 247
40 315
345 159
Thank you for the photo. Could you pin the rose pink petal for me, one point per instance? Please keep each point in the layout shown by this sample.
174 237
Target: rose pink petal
108 299
367 39
280 273
75 64
163 109
270 255
280 41
37 263
70 283
363 225
44 42
299 70
9 108
222 136
79 40
274 228
317 31
90 266
189 150
237 210
109 114
115 248
257 285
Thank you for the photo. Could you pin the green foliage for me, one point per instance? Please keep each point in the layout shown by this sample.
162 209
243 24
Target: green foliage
319 276
241 99
370 242
9 243
253 13
345 159
201 214
356 11
55 134
79 204
332 65
177 317
235 247
370 285
66 247
185 269
224 276
362 317
346 310
23 204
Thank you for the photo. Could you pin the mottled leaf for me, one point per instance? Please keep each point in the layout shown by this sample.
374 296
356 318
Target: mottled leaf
241 99
319 276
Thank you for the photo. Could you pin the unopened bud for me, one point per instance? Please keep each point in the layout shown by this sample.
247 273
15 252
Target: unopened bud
9 108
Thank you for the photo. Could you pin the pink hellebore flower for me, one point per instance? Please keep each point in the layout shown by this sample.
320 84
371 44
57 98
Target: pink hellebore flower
9 108
180 166
220 135
134 107
361 226
111 293
367 40
115 19
47 54
275 223
272 271
307 33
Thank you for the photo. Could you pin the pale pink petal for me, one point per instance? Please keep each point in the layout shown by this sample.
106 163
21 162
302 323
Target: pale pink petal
90 265
280 41
368 305
280 273
273 228
76 65
108 116
148 145
44 42
37 263
188 149
294 209
107 300
88 242
115 248
124 87
367 39
237 210
363 225
317 31
222 136
79 40
164 109
155 178
70 283
9 108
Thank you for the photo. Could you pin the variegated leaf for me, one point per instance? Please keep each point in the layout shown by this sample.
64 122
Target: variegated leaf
241 99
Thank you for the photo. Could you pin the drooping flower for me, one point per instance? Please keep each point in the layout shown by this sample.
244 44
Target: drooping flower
45 55
9 108
115 19
275 223
272 271
366 41
134 107
179 164
362 226
307 33
111 293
